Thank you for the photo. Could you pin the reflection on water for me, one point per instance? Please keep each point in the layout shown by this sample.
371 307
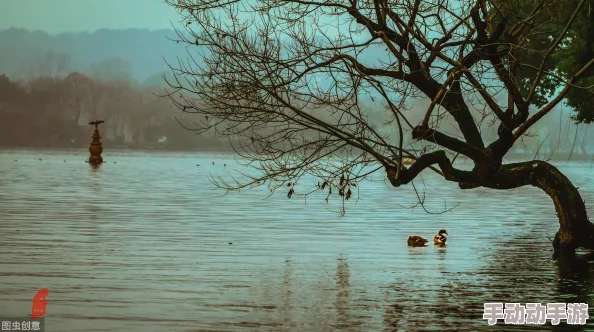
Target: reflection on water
143 245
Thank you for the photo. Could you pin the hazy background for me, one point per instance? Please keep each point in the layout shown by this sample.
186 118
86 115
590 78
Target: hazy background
88 32
118 50
57 16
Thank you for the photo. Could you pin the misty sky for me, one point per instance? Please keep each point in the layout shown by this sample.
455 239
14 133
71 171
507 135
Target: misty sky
55 16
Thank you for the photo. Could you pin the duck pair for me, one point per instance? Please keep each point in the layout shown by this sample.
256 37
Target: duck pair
418 241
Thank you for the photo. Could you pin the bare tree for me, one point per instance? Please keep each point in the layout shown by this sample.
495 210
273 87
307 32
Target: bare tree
49 64
287 80
112 70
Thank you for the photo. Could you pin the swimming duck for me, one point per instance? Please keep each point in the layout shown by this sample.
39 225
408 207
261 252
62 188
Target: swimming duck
416 241
440 239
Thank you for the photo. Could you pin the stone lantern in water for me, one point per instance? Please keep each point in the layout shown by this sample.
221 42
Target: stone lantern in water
96 148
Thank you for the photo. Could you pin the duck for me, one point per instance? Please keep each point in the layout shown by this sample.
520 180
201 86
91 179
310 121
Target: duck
440 239
416 241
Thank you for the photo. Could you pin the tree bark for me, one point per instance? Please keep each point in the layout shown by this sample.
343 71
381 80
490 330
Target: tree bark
575 230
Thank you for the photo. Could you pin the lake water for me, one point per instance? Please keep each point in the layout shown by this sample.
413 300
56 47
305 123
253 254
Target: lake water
143 244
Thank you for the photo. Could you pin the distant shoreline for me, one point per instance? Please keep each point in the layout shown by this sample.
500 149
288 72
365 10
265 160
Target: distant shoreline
510 157
106 149
542 156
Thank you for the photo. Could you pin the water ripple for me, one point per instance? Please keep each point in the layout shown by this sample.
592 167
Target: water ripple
146 245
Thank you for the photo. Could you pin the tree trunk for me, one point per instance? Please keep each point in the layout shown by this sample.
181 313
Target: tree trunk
575 230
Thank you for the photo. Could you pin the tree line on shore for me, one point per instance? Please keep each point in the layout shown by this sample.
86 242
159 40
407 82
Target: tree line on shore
54 111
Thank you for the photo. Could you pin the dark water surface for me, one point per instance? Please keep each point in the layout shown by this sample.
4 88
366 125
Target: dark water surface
143 245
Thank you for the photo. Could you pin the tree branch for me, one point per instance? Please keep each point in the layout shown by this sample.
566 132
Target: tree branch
545 110
447 142
450 173
548 53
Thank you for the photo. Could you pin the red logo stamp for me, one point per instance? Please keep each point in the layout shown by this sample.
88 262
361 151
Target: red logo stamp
39 303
